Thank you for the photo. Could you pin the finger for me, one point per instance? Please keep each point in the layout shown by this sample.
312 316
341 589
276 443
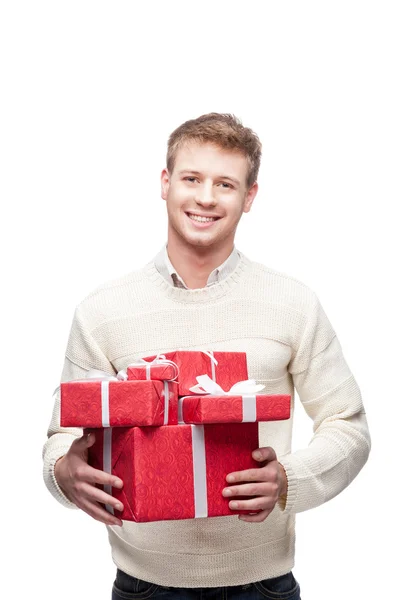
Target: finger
255 518
264 454
94 494
269 472
251 489
255 504
247 475
87 440
100 514
89 474
90 439
87 430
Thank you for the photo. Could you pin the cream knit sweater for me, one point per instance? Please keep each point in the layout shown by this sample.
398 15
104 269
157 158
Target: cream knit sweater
280 324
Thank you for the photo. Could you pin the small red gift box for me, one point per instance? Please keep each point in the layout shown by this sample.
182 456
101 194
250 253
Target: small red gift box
240 404
113 403
233 409
174 472
162 370
226 368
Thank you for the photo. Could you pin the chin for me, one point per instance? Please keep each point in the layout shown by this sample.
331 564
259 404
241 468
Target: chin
197 241
204 243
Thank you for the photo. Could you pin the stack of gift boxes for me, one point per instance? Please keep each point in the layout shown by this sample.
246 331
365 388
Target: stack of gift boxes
172 426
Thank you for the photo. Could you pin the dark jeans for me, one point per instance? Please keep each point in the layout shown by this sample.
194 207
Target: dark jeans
279 588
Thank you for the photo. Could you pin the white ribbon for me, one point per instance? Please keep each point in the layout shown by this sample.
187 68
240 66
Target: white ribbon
247 389
180 419
199 471
105 403
166 402
107 463
214 362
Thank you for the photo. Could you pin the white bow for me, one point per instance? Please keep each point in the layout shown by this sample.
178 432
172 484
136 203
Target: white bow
248 386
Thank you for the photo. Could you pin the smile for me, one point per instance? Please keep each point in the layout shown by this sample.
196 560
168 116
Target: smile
201 219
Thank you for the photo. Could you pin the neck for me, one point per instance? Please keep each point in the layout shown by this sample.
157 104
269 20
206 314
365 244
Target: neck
193 264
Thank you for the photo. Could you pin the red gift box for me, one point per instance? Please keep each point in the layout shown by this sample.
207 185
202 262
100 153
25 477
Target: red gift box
230 368
233 409
174 472
112 403
159 371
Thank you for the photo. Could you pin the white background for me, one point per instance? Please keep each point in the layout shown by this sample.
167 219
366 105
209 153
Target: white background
90 93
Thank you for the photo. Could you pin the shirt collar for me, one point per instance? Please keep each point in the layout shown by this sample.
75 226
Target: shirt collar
167 270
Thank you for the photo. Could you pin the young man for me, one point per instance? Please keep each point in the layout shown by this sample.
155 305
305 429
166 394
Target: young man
200 292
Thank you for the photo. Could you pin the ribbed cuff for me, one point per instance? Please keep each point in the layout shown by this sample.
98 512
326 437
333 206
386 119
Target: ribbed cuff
50 479
286 503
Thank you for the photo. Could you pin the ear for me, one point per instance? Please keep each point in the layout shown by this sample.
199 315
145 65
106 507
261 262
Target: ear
250 196
165 182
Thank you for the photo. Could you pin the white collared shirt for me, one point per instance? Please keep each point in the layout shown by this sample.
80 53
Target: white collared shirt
165 268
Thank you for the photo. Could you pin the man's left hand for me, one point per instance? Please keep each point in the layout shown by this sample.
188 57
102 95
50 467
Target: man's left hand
267 484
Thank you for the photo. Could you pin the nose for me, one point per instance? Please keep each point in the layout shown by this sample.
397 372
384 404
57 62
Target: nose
205 196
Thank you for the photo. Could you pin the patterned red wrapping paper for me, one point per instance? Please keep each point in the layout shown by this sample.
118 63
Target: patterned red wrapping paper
157 372
126 403
231 367
229 409
156 467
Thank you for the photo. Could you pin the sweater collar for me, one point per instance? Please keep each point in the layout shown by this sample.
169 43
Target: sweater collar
157 272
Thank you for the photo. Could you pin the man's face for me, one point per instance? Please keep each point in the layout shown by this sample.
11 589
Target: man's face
209 181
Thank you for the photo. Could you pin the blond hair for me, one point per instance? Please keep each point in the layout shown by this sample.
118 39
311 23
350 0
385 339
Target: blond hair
225 131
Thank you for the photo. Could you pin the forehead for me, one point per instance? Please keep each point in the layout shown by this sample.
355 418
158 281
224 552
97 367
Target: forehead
210 159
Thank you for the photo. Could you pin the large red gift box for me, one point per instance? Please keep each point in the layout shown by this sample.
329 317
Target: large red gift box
233 409
230 368
174 472
110 403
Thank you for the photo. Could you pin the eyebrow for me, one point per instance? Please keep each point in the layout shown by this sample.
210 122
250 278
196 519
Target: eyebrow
220 176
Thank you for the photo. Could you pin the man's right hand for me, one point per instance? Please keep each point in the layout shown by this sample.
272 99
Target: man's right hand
78 481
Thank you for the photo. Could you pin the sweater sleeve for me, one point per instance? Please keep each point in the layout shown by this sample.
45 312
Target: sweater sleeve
331 397
82 354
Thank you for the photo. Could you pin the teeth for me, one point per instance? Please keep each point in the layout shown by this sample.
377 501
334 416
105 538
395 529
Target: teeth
201 219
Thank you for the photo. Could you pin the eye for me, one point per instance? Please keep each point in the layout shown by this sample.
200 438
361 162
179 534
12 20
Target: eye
228 185
190 179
